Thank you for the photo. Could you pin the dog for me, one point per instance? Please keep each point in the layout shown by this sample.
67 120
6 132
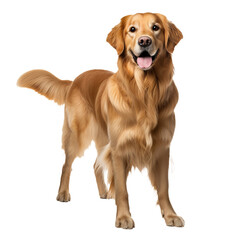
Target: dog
128 114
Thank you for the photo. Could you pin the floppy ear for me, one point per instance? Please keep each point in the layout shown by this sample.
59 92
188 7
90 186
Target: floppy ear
172 34
175 36
115 37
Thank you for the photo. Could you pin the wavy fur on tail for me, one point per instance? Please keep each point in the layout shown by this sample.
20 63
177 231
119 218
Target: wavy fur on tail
46 84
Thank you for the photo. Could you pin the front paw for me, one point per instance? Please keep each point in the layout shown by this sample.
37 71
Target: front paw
174 221
124 222
63 196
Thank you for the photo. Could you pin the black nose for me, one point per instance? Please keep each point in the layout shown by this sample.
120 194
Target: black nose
144 41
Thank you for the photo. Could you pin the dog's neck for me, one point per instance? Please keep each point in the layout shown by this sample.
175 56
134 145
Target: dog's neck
145 91
146 86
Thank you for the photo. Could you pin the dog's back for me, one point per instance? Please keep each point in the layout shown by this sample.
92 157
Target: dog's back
87 86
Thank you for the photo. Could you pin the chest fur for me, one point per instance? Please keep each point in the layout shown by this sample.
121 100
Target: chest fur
134 126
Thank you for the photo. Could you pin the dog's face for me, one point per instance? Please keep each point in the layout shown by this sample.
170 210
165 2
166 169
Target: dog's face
143 38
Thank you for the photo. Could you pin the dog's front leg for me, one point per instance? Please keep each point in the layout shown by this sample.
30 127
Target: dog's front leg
158 174
120 170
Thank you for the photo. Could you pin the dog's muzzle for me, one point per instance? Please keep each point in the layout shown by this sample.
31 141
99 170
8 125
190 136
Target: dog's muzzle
144 60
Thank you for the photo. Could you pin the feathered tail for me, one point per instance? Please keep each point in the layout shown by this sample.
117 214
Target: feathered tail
46 84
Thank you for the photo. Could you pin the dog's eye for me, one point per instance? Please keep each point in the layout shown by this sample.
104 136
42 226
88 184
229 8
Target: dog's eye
155 28
132 29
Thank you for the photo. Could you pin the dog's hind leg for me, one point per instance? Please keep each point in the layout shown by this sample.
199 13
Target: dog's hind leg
63 192
103 161
111 191
100 163
75 141
99 174
69 141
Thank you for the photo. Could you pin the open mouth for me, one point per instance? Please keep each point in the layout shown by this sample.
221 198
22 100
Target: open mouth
144 60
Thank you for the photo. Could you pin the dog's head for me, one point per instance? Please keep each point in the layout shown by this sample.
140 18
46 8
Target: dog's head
144 37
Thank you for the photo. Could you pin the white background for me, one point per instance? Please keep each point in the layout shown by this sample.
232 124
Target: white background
69 37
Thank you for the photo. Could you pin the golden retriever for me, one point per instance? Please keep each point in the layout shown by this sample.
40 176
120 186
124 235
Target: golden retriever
128 114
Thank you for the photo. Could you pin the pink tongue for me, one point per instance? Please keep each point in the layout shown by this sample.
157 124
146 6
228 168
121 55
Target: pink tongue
144 62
